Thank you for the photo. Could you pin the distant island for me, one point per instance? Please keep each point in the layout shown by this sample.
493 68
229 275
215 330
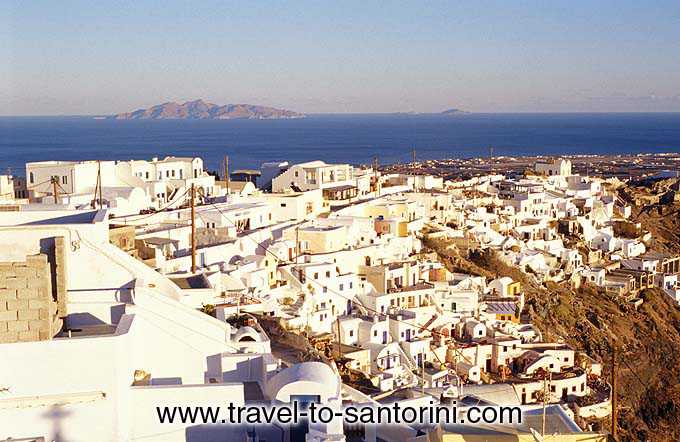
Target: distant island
454 112
201 110
448 112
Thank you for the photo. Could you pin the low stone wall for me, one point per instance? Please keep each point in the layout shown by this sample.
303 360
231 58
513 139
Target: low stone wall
33 296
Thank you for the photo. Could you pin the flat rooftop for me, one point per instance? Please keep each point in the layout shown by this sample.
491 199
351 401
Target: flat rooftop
51 217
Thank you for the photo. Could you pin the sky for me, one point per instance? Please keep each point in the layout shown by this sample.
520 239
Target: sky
84 57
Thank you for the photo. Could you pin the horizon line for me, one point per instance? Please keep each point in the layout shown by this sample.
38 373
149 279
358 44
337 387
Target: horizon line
400 113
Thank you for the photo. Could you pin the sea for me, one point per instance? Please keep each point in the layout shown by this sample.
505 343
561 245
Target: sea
355 138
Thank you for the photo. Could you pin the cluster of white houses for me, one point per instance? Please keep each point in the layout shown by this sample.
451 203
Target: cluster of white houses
331 252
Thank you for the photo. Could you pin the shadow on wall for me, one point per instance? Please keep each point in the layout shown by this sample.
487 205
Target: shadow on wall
228 432
117 311
83 320
47 247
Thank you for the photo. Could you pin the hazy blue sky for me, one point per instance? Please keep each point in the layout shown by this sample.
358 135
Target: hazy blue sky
71 57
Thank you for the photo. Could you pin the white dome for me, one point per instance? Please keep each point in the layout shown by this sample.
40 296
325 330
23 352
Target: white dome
307 378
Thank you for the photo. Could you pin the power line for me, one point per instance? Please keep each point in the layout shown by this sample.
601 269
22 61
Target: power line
161 209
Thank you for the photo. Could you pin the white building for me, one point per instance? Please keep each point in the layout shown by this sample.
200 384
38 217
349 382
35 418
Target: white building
77 182
129 344
553 167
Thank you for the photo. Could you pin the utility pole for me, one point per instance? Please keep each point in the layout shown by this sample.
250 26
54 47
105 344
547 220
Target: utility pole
297 243
339 339
226 171
99 183
55 182
545 393
375 174
547 380
422 368
95 203
193 229
413 170
614 387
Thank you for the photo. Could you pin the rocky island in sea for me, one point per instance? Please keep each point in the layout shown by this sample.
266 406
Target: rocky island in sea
454 112
202 110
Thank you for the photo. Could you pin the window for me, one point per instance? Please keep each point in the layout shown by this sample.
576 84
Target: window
316 275
64 180
325 289
328 274
350 285
296 174
173 172
351 333
342 286
30 177
375 332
